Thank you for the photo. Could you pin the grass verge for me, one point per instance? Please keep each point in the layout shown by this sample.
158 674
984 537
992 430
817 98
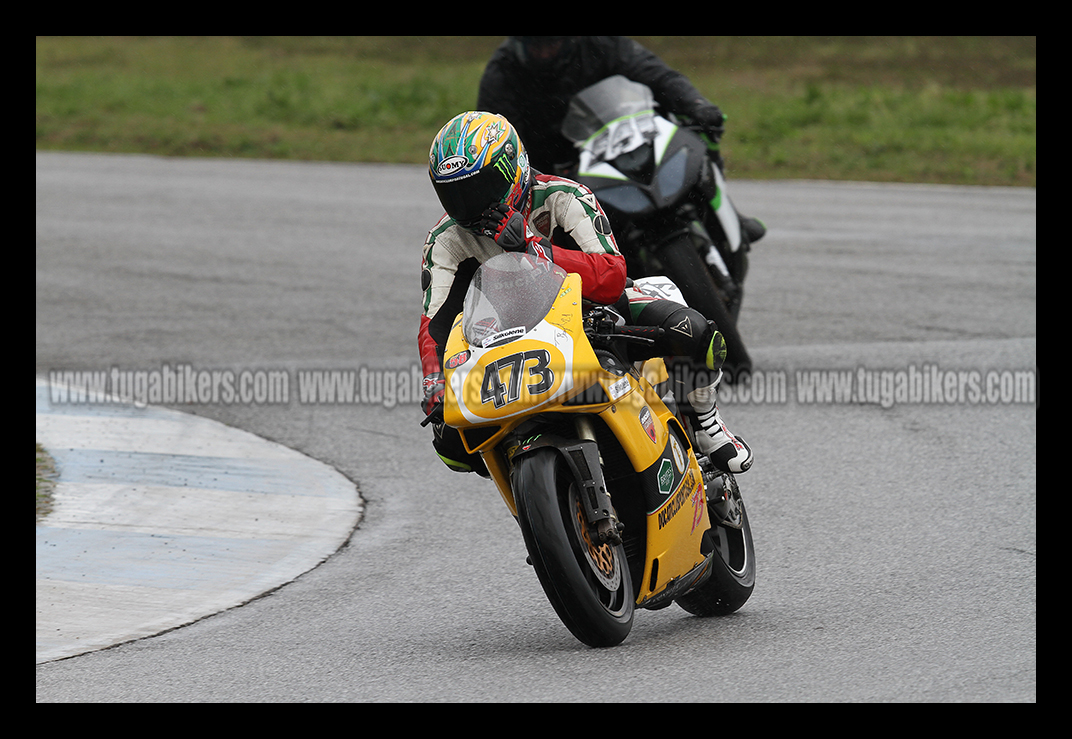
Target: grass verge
46 482
955 110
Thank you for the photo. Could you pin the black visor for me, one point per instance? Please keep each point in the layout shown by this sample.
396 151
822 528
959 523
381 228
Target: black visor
465 199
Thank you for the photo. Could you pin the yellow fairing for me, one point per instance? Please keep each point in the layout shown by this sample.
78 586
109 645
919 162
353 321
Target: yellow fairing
633 419
490 391
516 379
654 371
675 532
676 526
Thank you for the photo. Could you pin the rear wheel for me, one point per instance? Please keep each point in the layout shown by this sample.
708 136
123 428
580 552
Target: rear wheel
587 583
733 574
683 265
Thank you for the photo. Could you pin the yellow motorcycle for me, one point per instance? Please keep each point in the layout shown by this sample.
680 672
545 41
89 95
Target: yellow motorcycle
588 454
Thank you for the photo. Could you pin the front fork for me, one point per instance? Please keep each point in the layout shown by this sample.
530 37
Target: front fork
596 498
581 455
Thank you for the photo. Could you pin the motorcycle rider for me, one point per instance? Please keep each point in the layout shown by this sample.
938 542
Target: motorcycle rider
495 202
530 80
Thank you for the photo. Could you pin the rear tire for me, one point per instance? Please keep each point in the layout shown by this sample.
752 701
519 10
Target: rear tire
733 574
683 265
589 586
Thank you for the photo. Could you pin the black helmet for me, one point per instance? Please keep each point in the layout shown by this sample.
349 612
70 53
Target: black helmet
544 55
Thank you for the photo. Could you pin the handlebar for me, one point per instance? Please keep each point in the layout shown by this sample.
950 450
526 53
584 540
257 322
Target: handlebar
598 324
644 334
436 416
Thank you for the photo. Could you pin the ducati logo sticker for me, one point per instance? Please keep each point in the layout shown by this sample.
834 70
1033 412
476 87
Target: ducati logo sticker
647 422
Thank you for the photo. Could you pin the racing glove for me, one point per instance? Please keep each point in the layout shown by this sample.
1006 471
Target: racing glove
711 119
507 227
434 389
712 124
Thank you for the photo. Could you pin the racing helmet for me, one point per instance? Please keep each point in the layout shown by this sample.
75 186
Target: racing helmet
476 161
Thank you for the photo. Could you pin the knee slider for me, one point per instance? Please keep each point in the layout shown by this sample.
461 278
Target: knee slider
686 332
706 344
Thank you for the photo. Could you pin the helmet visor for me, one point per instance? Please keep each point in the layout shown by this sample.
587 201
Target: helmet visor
467 197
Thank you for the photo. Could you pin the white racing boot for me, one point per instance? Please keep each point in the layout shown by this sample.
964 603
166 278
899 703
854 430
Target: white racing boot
727 452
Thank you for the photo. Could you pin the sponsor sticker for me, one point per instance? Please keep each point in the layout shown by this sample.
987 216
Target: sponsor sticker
666 477
504 336
678 452
457 360
619 388
648 423
451 164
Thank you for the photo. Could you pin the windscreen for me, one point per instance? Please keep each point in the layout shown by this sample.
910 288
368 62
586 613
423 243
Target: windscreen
611 117
509 294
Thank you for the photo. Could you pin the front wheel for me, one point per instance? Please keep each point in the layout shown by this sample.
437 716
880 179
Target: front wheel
587 584
733 574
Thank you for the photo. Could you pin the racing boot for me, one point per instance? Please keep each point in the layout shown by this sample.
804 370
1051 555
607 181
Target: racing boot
752 228
686 333
726 451
729 453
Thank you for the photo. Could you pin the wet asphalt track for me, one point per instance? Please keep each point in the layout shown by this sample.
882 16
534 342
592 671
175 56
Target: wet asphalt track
896 545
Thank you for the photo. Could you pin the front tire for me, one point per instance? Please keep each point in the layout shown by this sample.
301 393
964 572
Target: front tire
588 585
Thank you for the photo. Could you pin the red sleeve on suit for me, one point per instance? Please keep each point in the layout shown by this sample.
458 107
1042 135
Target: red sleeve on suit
602 275
429 351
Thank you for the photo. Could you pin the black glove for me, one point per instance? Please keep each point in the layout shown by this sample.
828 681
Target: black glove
710 118
507 226
504 224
